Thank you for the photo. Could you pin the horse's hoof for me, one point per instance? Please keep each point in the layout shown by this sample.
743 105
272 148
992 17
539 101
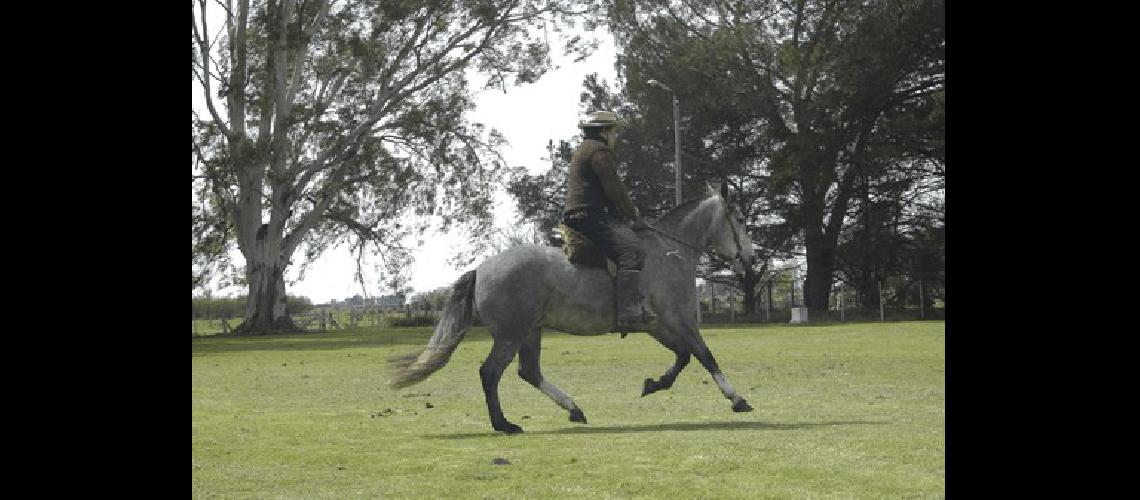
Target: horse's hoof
741 406
576 415
649 387
508 428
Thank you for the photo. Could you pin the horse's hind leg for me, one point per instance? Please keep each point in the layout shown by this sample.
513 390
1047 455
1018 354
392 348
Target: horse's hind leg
686 328
681 350
530 371
502 352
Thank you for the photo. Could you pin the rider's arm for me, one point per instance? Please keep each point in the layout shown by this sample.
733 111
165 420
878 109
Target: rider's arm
605 166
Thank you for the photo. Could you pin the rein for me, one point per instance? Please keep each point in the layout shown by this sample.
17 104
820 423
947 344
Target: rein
674 237
731 227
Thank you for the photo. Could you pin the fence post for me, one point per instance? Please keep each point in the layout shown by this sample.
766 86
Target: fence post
842 311
768 304
699 305
881 316
712 297
793 287
921 304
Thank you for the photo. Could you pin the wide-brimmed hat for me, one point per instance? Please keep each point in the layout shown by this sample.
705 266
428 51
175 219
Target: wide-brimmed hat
600 119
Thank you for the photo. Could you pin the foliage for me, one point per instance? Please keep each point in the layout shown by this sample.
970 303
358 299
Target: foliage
793 102
797 106
540 197
431 300
344 123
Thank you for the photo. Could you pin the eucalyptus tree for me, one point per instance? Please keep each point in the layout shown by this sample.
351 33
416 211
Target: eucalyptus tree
334 121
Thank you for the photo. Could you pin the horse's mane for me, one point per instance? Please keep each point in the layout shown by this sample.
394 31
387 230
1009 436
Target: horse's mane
673 217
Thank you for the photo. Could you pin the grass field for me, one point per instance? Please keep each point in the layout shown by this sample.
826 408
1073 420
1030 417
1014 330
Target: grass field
842 411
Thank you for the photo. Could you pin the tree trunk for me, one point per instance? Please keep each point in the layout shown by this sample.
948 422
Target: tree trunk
265 308
867 290
820 266
265 274
748 286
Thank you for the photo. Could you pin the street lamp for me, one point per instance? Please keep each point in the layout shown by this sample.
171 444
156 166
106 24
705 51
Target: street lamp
676 135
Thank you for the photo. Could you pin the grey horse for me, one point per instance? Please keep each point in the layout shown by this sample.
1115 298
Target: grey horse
524 289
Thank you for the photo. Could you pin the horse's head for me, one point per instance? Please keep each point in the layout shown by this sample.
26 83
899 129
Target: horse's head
729 236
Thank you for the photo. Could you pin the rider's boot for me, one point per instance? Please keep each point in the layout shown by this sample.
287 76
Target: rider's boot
631 317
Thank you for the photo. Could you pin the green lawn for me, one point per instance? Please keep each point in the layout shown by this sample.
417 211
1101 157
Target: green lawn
842 411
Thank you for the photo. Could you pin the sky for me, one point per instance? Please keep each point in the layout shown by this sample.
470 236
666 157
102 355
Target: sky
528 117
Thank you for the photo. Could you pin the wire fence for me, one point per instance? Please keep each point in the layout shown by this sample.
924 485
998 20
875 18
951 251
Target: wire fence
349 320
784 315
323 319
779 301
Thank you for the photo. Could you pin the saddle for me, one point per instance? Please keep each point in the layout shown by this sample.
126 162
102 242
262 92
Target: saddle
582 252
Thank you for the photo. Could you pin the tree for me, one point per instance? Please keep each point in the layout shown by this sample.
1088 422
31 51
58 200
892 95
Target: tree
801 94
433 300
895 240
540 197
332 122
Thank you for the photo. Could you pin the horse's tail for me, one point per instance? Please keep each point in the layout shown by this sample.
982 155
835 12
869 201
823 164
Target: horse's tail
453 324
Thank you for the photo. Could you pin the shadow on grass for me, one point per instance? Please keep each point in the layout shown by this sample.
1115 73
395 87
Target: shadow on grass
680 426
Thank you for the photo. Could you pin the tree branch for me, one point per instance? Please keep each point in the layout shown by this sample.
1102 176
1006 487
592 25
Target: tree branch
307 222
238 66
298 57
203 48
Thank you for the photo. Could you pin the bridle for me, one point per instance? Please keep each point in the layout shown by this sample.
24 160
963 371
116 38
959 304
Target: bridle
735 237
731 227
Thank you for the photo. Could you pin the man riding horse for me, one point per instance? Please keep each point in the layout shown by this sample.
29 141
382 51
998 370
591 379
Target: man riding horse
598 206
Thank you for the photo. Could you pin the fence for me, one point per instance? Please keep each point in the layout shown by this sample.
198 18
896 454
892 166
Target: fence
784 315
727 308
722 303
324 319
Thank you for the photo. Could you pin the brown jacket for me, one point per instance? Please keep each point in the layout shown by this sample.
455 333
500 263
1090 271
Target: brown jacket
594 182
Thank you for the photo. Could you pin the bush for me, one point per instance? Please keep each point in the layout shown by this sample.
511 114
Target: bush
226 307
413 321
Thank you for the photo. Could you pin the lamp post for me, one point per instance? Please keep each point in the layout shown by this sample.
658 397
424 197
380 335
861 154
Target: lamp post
676 136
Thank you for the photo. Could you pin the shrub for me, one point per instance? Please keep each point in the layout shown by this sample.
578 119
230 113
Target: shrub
234 307
413 321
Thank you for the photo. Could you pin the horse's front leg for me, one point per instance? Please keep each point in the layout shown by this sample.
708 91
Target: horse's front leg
686 328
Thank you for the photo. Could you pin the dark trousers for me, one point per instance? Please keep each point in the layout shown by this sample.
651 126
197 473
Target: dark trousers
616 240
